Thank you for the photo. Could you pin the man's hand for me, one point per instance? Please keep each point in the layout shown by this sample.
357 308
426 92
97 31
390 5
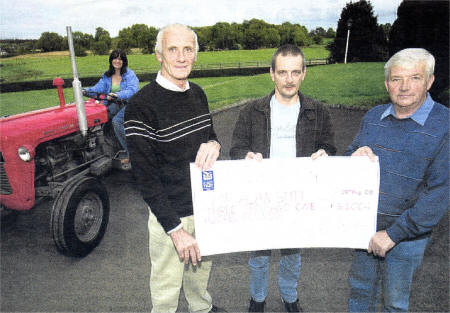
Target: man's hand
254 156
365 151
111 95
207 154
186 246
319 153
380 244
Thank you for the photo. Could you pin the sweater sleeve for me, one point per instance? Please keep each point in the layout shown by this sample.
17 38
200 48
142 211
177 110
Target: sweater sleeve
432 203
145 165
100 87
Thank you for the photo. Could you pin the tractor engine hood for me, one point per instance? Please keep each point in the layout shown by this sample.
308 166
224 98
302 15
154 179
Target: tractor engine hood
34 127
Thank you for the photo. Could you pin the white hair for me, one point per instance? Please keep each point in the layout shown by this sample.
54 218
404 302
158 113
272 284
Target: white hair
162 31
410 57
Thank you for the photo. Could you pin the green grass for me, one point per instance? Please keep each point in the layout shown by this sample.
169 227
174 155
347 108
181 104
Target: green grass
40 67
353 84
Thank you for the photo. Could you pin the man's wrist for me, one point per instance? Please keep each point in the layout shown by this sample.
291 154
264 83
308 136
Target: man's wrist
180 226
216 143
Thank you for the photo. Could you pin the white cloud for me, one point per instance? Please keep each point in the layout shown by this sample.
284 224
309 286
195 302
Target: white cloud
30 18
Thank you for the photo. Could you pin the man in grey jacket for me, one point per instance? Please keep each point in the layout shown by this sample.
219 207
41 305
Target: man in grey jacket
283 124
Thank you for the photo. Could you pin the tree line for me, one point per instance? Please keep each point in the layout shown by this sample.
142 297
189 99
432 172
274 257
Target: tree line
251 34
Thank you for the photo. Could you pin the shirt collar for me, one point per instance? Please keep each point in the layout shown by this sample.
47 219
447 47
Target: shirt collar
273 100
420 116
167 84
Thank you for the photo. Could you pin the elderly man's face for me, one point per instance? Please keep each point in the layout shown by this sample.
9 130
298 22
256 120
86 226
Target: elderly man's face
407 88
178 55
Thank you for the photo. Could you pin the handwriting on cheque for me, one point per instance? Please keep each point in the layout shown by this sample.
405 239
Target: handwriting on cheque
267 206
319 204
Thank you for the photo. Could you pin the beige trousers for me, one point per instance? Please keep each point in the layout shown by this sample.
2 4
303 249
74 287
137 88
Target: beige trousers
169 274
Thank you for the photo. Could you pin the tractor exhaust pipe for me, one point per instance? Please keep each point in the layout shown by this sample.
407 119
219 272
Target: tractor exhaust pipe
77 92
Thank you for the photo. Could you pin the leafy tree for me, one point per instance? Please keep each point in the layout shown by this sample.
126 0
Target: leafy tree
137 36
139 33
285 30
272 37
82 39
330 33
125 40
254 33
319 31
221 35
100 47
425 24
300 37
237 31
225 36
102 42
203 37
100 32
81 43
50 42
386 29
293 34
366 42
317 40
148 40
79 50
14 47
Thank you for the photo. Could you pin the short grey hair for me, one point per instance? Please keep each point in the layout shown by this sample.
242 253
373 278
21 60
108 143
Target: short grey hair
286 50
162 31
410 57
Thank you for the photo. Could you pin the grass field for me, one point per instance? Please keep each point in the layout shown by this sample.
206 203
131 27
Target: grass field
353 84
50 65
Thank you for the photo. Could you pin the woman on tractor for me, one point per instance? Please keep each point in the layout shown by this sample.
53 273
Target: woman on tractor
117 82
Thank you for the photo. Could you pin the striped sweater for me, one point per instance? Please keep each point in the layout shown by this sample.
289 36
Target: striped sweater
164 130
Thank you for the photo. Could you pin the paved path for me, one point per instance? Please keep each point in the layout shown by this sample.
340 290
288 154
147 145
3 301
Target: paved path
114 277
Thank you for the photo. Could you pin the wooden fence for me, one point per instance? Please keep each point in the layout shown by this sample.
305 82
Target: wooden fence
145 74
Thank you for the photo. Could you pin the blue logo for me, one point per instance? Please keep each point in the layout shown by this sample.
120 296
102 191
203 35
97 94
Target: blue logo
208 180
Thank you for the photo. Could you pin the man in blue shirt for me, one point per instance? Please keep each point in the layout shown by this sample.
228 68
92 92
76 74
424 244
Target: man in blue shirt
410 138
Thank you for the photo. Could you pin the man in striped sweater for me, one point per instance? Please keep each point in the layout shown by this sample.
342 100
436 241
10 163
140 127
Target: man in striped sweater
168 125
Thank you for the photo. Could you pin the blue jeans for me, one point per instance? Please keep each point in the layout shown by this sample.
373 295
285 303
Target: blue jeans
288 274
119 129
394 273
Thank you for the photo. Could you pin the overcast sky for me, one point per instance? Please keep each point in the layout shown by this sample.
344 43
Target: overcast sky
27 19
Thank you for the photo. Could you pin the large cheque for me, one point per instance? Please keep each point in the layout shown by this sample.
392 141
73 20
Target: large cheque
285 203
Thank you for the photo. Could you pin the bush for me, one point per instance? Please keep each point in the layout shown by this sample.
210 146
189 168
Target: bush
100 48
80 51
236 46
317 40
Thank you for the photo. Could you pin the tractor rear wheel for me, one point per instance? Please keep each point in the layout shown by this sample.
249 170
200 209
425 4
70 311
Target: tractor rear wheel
80 216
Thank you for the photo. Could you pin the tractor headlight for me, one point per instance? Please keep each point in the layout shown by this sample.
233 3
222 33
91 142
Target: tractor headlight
24 154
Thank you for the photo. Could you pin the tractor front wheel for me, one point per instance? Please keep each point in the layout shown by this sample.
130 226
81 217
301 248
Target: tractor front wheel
80 216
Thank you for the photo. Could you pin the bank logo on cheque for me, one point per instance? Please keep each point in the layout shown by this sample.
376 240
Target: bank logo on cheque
208 180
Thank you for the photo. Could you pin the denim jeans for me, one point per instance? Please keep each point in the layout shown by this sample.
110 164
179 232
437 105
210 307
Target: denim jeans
288 274
119 129
394 273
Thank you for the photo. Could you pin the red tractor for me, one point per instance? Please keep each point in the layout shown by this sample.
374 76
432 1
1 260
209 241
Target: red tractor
61 153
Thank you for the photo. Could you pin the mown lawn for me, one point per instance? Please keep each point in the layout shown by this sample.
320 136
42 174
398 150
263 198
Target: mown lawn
42 66
353 84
